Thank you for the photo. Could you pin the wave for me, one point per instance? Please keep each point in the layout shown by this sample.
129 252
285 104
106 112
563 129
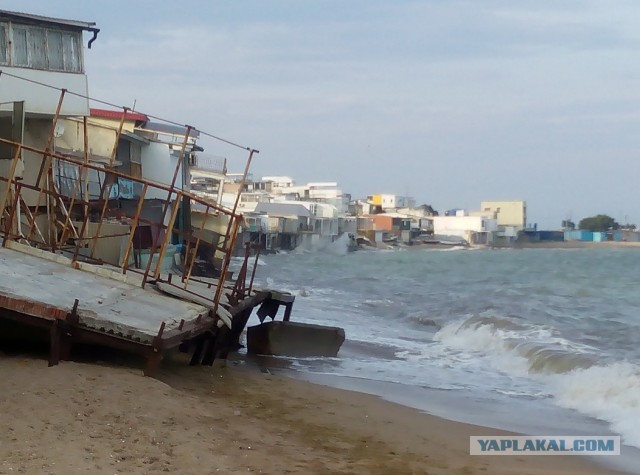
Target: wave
237 261
610 393
325 244
454 248
573 372
536 348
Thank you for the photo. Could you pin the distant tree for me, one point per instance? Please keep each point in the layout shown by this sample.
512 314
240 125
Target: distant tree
600 222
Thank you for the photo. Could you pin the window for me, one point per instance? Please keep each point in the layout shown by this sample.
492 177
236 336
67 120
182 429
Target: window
4 57
20 55
71 53
54 48
40 48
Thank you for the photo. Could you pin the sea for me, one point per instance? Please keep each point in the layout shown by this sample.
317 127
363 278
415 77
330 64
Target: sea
537 341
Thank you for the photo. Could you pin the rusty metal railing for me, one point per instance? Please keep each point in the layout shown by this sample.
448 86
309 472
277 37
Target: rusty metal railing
40 214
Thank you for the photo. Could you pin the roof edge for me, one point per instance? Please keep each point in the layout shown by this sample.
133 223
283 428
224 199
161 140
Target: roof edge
84 25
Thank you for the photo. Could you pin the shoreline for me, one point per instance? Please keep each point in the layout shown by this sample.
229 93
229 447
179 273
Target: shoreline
577 245
515 246
87 417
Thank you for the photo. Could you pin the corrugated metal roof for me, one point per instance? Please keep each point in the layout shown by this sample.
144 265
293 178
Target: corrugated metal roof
28 17
117 115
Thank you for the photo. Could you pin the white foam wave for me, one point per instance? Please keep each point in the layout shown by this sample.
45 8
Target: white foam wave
454 248
609 392
531 348
325 244
314 293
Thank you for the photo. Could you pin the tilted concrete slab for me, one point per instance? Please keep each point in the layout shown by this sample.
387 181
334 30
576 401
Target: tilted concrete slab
105 304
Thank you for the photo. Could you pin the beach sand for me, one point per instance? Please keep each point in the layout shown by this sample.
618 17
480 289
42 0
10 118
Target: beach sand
107 418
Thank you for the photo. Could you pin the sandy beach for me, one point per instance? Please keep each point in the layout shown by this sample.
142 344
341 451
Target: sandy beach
95 417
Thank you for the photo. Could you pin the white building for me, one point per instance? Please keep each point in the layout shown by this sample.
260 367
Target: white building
387 201
44 50
37 52
473 229
275 184
510 214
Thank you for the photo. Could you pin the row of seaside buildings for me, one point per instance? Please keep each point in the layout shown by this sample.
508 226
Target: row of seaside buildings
283 215
42 58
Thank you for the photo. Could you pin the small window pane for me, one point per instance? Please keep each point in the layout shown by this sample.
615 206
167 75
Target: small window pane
20 57
38 48
56 58
71 53
3 44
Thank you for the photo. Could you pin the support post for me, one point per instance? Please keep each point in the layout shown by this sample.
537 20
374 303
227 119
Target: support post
55 335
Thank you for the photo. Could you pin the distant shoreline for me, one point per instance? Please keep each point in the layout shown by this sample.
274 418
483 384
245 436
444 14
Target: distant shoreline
574 245
524 245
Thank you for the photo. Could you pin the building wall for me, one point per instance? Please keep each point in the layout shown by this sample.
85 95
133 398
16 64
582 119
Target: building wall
384 200
159 165
382 223
276 183
457 224
578 235
347 225
101 139
40 99
36 133
127 125
6 132
509 213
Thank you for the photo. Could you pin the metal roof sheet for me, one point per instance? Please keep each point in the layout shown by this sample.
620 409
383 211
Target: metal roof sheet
117 115
28 17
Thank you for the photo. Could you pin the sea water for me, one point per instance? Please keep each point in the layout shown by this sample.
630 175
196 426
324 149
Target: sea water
535 340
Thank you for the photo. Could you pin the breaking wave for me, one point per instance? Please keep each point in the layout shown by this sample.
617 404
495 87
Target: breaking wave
536 348
573 372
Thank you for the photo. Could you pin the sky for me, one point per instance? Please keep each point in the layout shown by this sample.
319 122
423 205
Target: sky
452 102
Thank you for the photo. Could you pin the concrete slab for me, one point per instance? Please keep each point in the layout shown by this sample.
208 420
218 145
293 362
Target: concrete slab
105 304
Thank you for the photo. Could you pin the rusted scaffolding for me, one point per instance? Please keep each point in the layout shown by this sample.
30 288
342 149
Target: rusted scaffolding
68 220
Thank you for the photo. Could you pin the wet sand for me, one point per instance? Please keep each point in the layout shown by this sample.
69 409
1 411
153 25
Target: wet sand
106 418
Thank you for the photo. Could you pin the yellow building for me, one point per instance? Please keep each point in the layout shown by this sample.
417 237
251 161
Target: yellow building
508 213
391 201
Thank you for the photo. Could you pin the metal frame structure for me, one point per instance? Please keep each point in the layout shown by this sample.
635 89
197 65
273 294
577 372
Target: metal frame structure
68 217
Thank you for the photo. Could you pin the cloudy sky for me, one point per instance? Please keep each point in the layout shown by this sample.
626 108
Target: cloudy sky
452 102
